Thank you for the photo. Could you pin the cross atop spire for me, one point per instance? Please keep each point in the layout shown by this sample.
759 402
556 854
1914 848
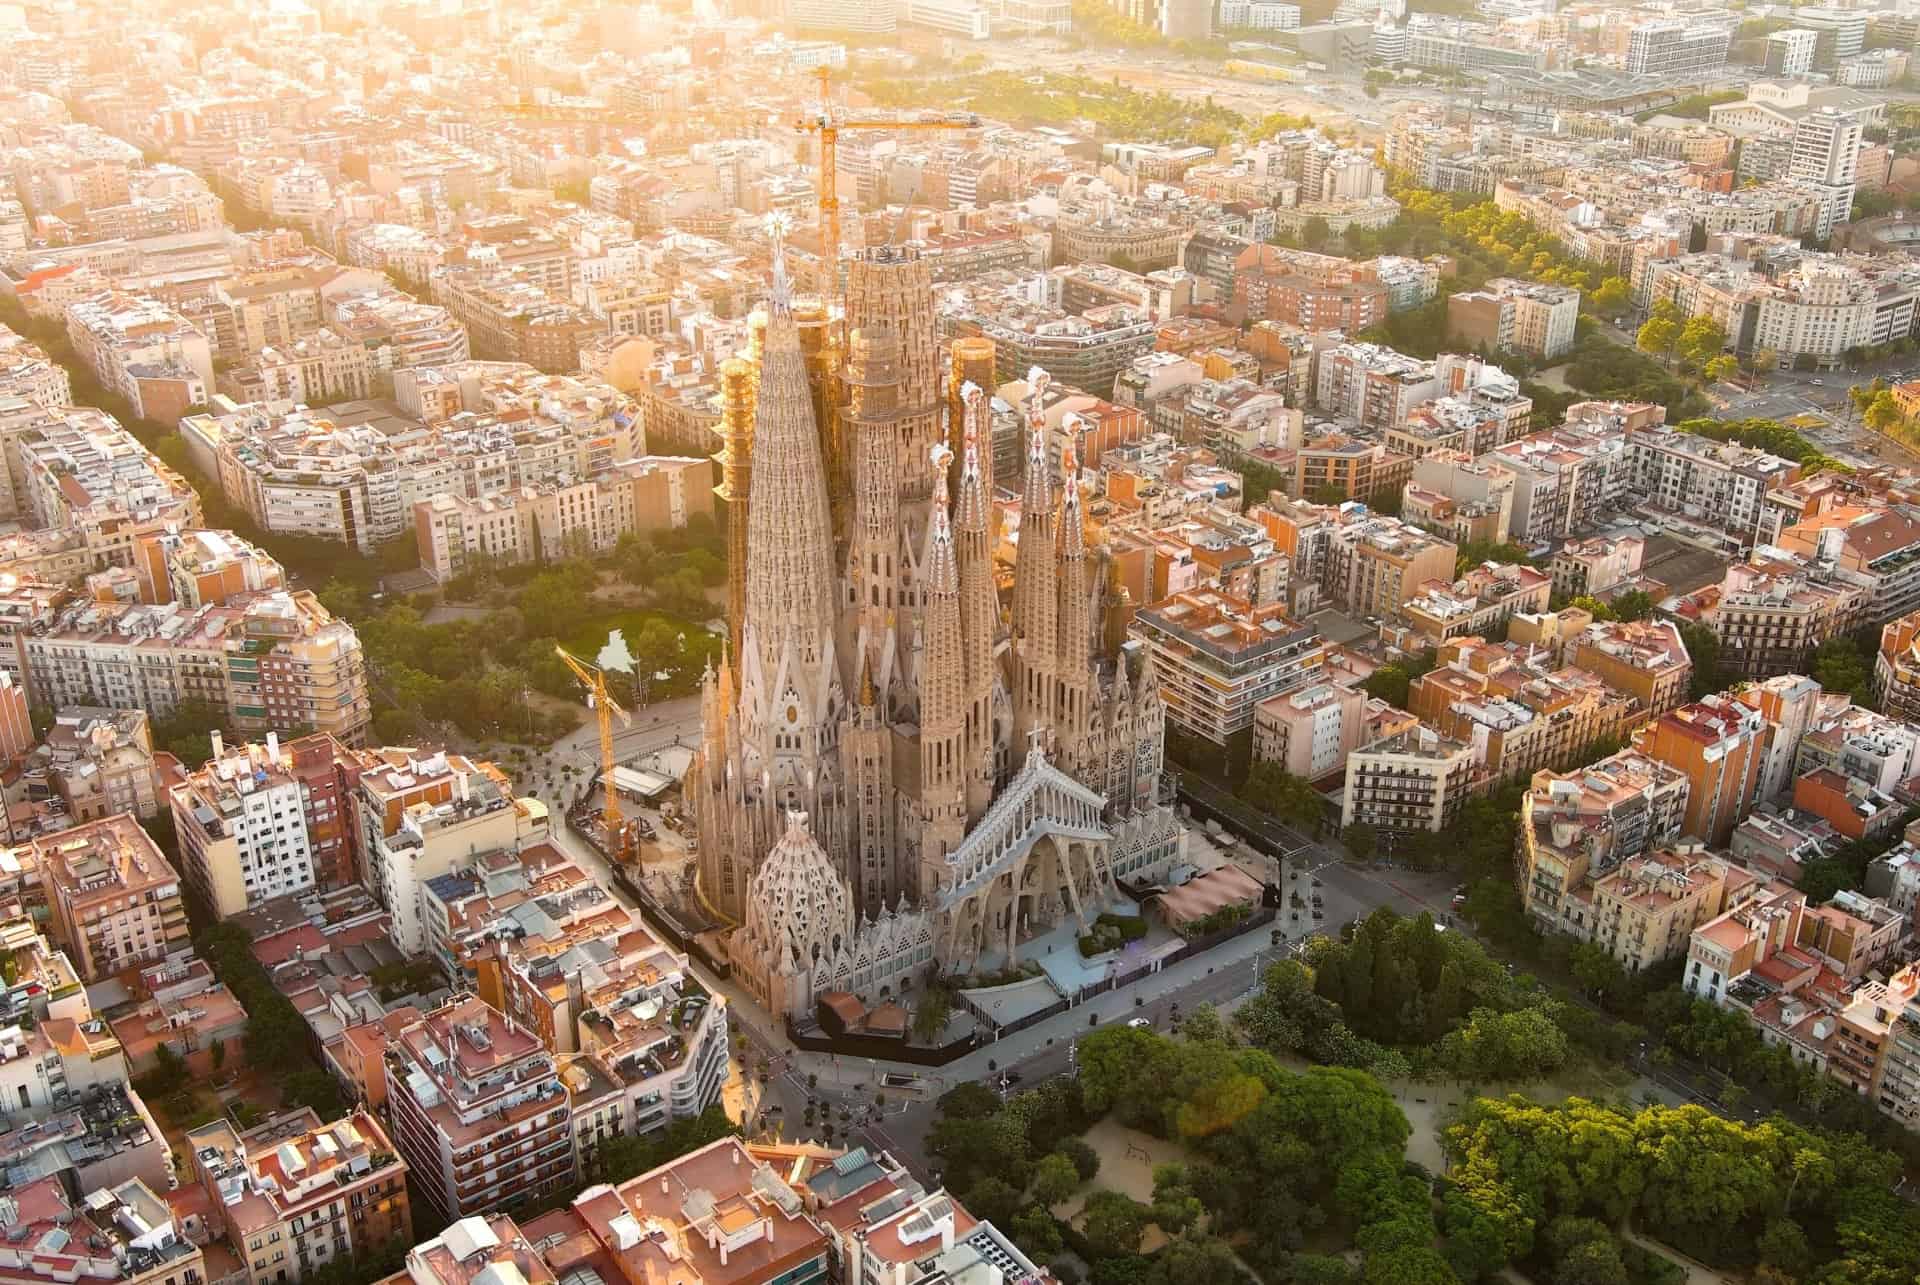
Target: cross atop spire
781 297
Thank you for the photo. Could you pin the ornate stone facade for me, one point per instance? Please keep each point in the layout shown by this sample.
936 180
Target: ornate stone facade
961 780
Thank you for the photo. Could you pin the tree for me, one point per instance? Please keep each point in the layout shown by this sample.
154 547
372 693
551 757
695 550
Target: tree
1054 1179
1037 1234
1315 233
312 1088
1175 1206
1195 1258
931 1014
1359 839
1634 604
994 1199
1883 413
1703 649
1722 368
1612 296
1839 667
1657 337
219 1054
1113 1223
1594 607
1086 1161
1700 339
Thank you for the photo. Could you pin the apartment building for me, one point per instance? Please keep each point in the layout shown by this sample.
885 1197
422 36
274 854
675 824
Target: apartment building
1644 910
1878 540
730 1213
635 1022
1515 316
241 819
144 351
28 373
1671 48
1756 941
1309 732
1087 351
1371 564
113 901
422 815
353 472
99 761
296 1195
509 315
1646 659
1896 669
1519 714
1596 564
478 1110
1577 826
1718 484
1218 658
1337 464
1478 603
1770 612
1414 779
1375 387
1566 480
551 521
1719 745
1459 498
203 568
1790 703
1315 292
319 367
75 470
1859 743
120 1234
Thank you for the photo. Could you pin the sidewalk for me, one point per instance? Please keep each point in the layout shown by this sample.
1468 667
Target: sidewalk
858 1072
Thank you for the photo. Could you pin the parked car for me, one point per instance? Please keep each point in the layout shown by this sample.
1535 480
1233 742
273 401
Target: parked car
1140 1023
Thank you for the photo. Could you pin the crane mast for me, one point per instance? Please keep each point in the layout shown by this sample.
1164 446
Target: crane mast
594 679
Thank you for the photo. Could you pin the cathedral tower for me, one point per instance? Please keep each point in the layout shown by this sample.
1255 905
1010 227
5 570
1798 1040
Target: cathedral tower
1036 601
979 608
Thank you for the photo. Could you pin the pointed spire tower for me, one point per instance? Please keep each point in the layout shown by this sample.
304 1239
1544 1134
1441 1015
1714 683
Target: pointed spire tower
979 604
943 701
1074 711
1036 603
789 686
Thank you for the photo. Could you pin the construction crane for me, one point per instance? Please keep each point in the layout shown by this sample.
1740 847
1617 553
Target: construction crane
594 679
828 123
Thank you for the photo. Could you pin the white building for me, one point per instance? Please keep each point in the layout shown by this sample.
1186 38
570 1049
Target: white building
1826 156
1790 52
968 18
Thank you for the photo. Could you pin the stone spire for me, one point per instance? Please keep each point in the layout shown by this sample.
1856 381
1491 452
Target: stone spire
1036 603
789 684
979 604
874 573
1074 704
943 703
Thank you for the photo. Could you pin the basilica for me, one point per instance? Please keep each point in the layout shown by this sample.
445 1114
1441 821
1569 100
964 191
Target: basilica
896 776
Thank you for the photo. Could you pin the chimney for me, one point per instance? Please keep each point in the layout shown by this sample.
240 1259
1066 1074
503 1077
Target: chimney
219 746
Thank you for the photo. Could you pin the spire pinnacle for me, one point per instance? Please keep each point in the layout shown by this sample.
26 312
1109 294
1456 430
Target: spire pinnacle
780 299
971 395
943 575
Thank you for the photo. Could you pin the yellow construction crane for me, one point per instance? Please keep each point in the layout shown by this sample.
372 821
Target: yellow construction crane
594 679
828 123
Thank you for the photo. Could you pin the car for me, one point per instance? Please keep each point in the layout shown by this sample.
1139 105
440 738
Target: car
1818 383
1140 1023
1459 901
